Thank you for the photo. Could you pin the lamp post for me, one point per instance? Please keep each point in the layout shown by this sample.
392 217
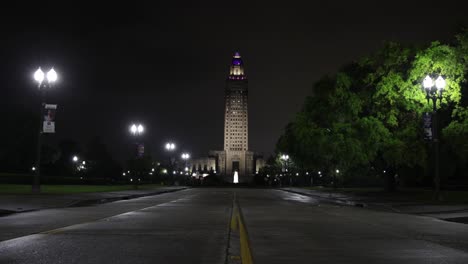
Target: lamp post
44 82
137 130
337 171
185 156
434 91
285 159
170 148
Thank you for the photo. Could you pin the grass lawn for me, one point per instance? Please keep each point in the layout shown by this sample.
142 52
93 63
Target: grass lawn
402 195
69 189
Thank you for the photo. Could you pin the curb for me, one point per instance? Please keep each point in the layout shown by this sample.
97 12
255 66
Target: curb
330 200
89 202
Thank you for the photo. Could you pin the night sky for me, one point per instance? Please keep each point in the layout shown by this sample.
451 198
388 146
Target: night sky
165 65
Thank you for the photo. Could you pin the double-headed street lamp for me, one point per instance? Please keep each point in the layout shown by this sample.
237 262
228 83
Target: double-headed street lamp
185 157
434 91
44 82
137 130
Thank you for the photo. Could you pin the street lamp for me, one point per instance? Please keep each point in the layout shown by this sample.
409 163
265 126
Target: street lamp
170 146
44 82
434 91
137 130
285 159
75 158
185 157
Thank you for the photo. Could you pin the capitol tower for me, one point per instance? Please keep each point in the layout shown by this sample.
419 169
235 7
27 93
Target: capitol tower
236 162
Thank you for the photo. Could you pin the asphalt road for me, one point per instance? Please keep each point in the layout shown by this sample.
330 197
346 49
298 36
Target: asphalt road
192 226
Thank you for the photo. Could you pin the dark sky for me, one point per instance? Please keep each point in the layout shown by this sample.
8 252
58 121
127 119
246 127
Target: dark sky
166 64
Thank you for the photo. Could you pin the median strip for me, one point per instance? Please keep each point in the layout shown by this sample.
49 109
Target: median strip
239 248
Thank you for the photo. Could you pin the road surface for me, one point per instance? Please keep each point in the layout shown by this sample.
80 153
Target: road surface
195 226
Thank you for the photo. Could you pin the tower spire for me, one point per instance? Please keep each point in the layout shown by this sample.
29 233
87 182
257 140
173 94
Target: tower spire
236 71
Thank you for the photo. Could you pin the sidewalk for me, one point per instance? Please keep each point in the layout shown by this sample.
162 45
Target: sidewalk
16 203
450 212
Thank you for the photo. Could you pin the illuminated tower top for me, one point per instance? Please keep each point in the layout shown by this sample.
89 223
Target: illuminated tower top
236 71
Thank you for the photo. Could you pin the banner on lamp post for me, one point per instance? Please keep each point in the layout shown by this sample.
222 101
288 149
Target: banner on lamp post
427 126
49 118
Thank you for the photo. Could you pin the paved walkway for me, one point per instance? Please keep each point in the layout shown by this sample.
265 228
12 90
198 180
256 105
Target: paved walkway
15 203
452 212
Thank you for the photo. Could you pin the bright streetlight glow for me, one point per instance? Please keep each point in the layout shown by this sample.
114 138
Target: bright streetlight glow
428 82
170 146
337 171
39 75
75 158
33 168
440 83
185 156
137 129
284 157
52 75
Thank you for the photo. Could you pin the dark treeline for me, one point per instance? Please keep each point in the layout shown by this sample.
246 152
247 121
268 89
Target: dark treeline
366 120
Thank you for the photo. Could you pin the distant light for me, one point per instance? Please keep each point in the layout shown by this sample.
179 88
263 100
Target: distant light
236 177
39 75
384 171
140 129
428 82
307 173
133 129
337 171
75 158
181 173
128 171
123 174
319 172
84 162
170 146
150 173
440 83
185 156
186 168
33 168
164 171
131 180
52 75
297 173
214 171
174 172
